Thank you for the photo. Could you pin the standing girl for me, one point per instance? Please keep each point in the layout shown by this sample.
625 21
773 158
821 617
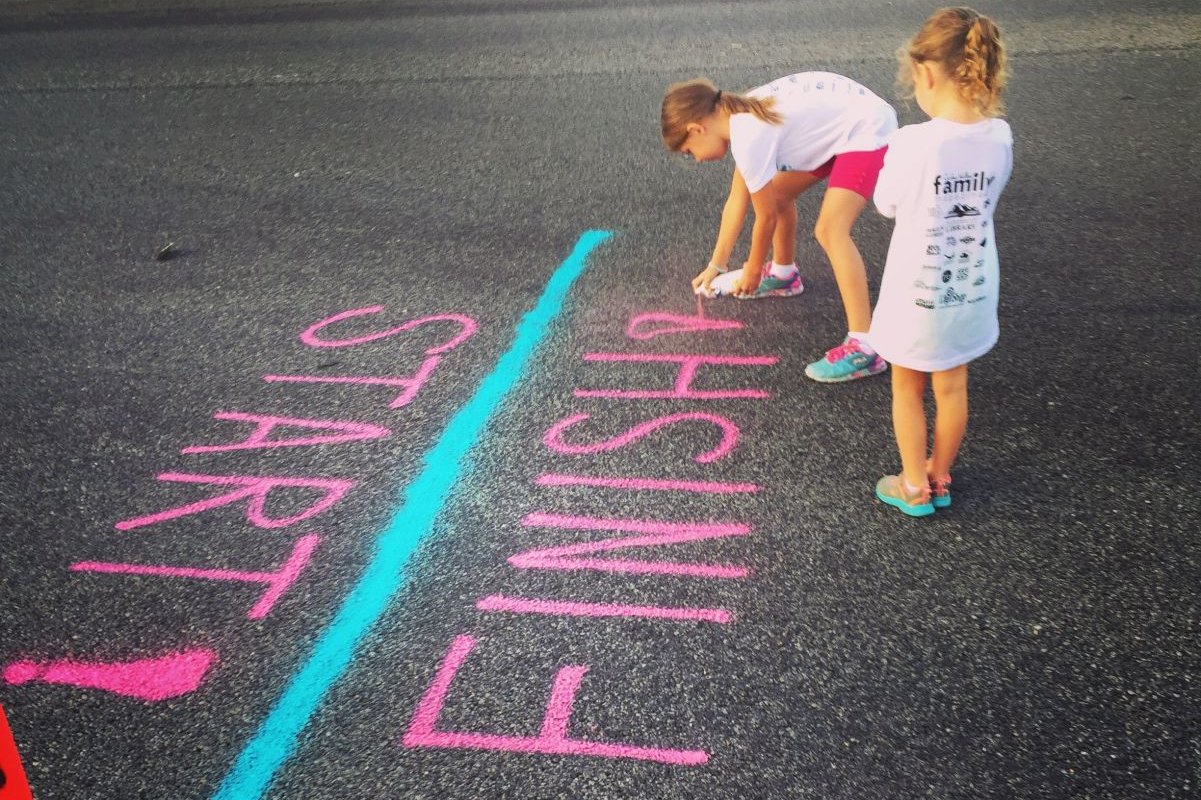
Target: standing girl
942 180
787 136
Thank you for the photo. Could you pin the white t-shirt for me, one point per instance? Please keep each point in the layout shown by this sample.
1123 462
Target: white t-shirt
824 115
938 297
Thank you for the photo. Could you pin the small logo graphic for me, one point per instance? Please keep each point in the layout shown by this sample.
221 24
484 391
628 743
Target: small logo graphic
987 203
933 249
949 256
951 297
979 263
968 239
979 281
923 303
964 256
946 276
983 242
961 274
960 210
934 231
921 284
950 241
978 299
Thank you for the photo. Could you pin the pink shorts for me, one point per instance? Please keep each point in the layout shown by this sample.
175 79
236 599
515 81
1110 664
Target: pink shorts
857 171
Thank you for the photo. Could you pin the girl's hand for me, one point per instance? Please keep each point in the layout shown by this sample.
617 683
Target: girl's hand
700 284
749 281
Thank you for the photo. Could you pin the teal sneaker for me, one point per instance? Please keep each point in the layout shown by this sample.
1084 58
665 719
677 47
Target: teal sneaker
891 489
846 362
771 286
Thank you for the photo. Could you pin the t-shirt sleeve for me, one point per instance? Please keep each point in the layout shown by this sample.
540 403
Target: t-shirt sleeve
895 175
753 144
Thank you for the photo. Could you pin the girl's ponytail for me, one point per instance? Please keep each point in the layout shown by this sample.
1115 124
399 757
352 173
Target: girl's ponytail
982 71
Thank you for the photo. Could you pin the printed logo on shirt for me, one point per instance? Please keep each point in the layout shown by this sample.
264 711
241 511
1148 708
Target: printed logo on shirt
979 281
951 297
920 284
962 183
949 256
931 232
923 303
950 241
983 242
979 263
946 276
961 274
960 210
933 249
978 299
967 239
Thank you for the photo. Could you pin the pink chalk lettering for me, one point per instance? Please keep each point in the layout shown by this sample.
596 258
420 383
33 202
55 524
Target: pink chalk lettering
276 582
659 533
563 608
656 323
468 325
410 385
645 484
553 737
683 390
254 488
264 425
150 679
729 435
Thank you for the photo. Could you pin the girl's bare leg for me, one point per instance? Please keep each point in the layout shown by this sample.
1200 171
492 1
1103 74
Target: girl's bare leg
840 208
909 422
788 186
950 419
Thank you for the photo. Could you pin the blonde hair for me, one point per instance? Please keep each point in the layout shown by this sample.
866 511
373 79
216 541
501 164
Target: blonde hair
968 46
692 101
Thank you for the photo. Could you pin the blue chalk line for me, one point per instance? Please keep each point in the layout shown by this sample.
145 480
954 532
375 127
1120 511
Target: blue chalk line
273 743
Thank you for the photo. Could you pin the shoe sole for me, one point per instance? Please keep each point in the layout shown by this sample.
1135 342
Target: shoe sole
924 510
866 372
940 502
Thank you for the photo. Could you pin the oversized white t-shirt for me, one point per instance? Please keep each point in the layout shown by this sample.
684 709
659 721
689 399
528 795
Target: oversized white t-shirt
824 115
938 298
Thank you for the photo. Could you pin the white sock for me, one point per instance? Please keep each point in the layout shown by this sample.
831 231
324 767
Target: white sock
864 344
783 271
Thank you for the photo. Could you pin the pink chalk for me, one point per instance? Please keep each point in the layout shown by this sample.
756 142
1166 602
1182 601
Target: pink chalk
563 608
265 424
467 324
254 488
410 386
150 679
689 364
660 533
729 435
657 323
645 484
277 582
553 736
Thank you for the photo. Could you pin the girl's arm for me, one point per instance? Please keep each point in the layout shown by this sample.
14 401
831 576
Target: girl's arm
732 217
766 214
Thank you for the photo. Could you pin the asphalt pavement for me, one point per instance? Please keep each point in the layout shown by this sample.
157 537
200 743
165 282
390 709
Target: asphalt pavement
368 486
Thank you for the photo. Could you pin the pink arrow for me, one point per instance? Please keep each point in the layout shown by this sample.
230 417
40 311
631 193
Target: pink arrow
148 679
